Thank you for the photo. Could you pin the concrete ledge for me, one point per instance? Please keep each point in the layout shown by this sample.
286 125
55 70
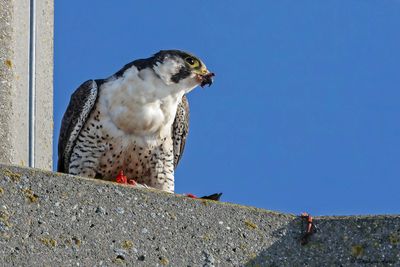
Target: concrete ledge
60 220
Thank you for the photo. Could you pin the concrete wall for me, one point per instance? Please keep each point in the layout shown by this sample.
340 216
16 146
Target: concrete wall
14 81
51 219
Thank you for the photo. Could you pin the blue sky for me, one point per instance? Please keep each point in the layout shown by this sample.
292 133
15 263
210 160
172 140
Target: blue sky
304 112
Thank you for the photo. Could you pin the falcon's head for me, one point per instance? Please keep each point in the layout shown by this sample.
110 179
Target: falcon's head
181 68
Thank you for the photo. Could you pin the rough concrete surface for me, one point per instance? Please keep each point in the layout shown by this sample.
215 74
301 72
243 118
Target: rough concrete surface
51 219
44 84
6 77
14 73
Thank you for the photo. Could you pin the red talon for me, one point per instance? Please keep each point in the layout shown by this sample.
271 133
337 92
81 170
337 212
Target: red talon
132 182
121 178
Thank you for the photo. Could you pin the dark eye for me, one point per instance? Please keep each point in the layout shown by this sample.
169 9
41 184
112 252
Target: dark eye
194 63
190 60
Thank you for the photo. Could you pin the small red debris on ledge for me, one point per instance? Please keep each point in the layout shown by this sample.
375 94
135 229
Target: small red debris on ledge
310 228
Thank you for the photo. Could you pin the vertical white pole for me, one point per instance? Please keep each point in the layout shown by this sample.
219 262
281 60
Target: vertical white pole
32 81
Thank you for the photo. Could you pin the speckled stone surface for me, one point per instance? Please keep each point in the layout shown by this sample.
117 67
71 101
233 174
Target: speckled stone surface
49 219
6 77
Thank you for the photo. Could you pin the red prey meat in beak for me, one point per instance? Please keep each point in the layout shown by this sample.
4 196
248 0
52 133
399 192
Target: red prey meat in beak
206 79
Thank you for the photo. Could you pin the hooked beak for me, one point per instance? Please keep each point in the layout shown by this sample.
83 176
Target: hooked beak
206 79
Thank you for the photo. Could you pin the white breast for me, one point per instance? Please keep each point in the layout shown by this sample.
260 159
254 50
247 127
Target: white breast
139 104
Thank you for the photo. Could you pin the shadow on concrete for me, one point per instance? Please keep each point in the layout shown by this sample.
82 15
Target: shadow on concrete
338 241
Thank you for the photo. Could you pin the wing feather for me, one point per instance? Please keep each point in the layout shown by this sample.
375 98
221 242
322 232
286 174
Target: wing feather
180 129
81 104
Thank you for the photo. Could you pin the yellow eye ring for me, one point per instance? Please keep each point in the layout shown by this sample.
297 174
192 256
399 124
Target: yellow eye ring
192 62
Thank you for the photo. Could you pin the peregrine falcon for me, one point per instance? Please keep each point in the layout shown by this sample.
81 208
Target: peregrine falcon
136 120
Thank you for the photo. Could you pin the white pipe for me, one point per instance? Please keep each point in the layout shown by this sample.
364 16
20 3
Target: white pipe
32 81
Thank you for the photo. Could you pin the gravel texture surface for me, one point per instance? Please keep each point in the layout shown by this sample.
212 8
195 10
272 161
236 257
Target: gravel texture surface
60 220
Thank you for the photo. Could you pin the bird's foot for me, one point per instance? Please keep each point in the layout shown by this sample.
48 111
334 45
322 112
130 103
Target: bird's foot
215 196
122 179
310 228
